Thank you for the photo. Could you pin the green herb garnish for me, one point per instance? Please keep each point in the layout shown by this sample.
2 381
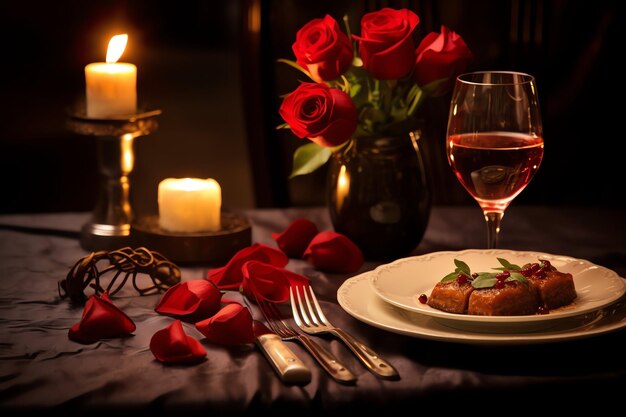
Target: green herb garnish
461 268
486 279
507 266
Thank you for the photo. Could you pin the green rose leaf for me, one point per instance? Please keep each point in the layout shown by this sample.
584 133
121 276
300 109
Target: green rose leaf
355 89
414 98
434 87
307 158
296 66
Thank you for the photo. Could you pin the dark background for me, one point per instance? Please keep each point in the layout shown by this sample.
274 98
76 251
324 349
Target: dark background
211 67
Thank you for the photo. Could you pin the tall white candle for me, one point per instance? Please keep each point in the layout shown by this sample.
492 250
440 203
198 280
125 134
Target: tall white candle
111 85
189 205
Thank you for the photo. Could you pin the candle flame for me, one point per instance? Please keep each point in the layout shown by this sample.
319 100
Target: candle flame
343 187
117 44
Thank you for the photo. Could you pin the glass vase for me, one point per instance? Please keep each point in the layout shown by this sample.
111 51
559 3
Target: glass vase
378 195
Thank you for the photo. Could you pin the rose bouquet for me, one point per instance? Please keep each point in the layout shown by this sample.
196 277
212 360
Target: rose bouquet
365 85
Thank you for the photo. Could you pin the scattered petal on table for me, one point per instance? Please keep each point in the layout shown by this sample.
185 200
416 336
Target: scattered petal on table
334 252
229 277
269 282
101 320
232 325
172 345
296 237
191 301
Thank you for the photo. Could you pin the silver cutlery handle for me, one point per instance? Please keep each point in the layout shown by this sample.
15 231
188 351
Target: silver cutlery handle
374 363
328 361
288 366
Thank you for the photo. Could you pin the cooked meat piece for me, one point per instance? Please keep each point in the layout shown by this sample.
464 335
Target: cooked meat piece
555 290
450 296
514 299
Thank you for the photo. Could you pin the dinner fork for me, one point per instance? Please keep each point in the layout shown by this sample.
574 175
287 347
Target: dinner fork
286 332
316 322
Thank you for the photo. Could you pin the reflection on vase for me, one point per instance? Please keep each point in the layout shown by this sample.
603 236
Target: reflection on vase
378 195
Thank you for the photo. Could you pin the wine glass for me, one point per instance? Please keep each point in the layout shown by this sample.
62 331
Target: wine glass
495 139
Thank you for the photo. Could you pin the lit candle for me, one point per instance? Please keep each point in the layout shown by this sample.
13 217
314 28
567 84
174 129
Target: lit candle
189 205
111 85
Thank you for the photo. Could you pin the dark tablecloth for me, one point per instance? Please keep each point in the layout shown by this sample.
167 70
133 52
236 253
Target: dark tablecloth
40 368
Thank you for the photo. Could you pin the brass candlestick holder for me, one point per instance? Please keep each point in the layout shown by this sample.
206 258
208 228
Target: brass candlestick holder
110 224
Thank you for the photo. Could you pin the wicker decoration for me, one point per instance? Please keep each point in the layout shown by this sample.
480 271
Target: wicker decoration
126 262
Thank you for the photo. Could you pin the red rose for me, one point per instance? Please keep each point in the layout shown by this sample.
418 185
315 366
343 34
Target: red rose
323 49
192 301
325 115
334 252
172 345
386 43
101 320
296 237
441 57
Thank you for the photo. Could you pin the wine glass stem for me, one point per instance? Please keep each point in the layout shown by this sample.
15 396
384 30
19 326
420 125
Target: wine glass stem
493 219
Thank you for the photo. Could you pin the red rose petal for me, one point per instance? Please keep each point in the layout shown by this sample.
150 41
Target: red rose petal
101 320
232 325
296 237
193 300
334 252
229 277
172 345
268 282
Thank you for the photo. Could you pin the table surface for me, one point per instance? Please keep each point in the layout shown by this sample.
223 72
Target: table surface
41 368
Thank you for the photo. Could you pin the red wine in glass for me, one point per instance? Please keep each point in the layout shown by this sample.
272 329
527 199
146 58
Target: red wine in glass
494 167
495 139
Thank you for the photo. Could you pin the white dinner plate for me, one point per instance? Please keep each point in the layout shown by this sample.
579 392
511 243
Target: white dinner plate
401 282
358 299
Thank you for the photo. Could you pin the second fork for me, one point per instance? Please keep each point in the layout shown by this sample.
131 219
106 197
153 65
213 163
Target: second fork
329 362
315 322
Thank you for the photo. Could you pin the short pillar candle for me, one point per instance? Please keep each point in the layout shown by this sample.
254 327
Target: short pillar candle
189 205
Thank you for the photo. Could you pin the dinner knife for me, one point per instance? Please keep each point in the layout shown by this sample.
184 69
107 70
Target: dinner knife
286 364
